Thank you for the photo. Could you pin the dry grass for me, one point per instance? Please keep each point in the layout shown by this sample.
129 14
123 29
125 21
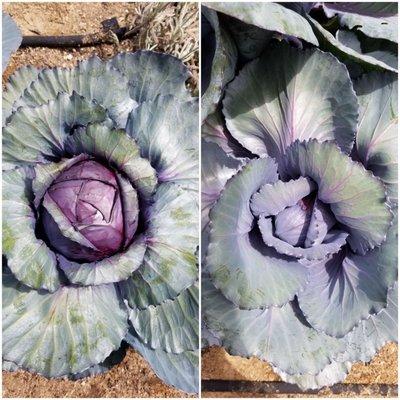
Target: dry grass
169 28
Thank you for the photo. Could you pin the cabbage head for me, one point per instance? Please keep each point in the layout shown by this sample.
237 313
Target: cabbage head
100 218
299 191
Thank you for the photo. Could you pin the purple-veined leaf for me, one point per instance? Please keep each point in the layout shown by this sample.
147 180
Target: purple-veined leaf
333 373
168 75
356 198
267 109
347 288
164 130
247 272
279 335
15 87
36 134
173 325
91 79
370 9
170 261
269 16
218 64
332 243
84 326
371 334
377 135
346 54
376 20
216 169
28 257
273 198
213 130
179 370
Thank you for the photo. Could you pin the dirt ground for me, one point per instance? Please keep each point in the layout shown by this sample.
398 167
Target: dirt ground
218 364
173 30
133 377
167 27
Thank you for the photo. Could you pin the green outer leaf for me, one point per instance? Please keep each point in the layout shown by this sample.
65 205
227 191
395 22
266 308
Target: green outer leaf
35 134
377 136
371 334
250 40
355 196
29 258
166 132
377 9
269 16
172 326
274 101
11 38
333 373
9 366
111 361
377 28
343 53
179 370
115 358
63 332
383 54
349 39
346 289
15 87
216 169
208 338
109 270
279 335
118 149
170 263
91 79
213 130
223 65
246 271
151 74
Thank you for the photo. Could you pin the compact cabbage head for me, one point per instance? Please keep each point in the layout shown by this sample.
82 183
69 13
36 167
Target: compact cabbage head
100 218
299 202
89 200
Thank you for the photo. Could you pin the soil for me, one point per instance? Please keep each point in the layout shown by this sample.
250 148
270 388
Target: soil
164 33
218 364
133 377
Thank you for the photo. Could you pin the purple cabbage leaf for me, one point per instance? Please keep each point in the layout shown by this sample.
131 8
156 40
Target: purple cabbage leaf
100 218
299 195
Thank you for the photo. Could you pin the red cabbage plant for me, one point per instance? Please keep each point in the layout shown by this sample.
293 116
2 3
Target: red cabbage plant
100 218
299 185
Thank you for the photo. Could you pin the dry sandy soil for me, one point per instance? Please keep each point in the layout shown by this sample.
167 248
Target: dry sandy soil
167 27
173 30
218 364
133 377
